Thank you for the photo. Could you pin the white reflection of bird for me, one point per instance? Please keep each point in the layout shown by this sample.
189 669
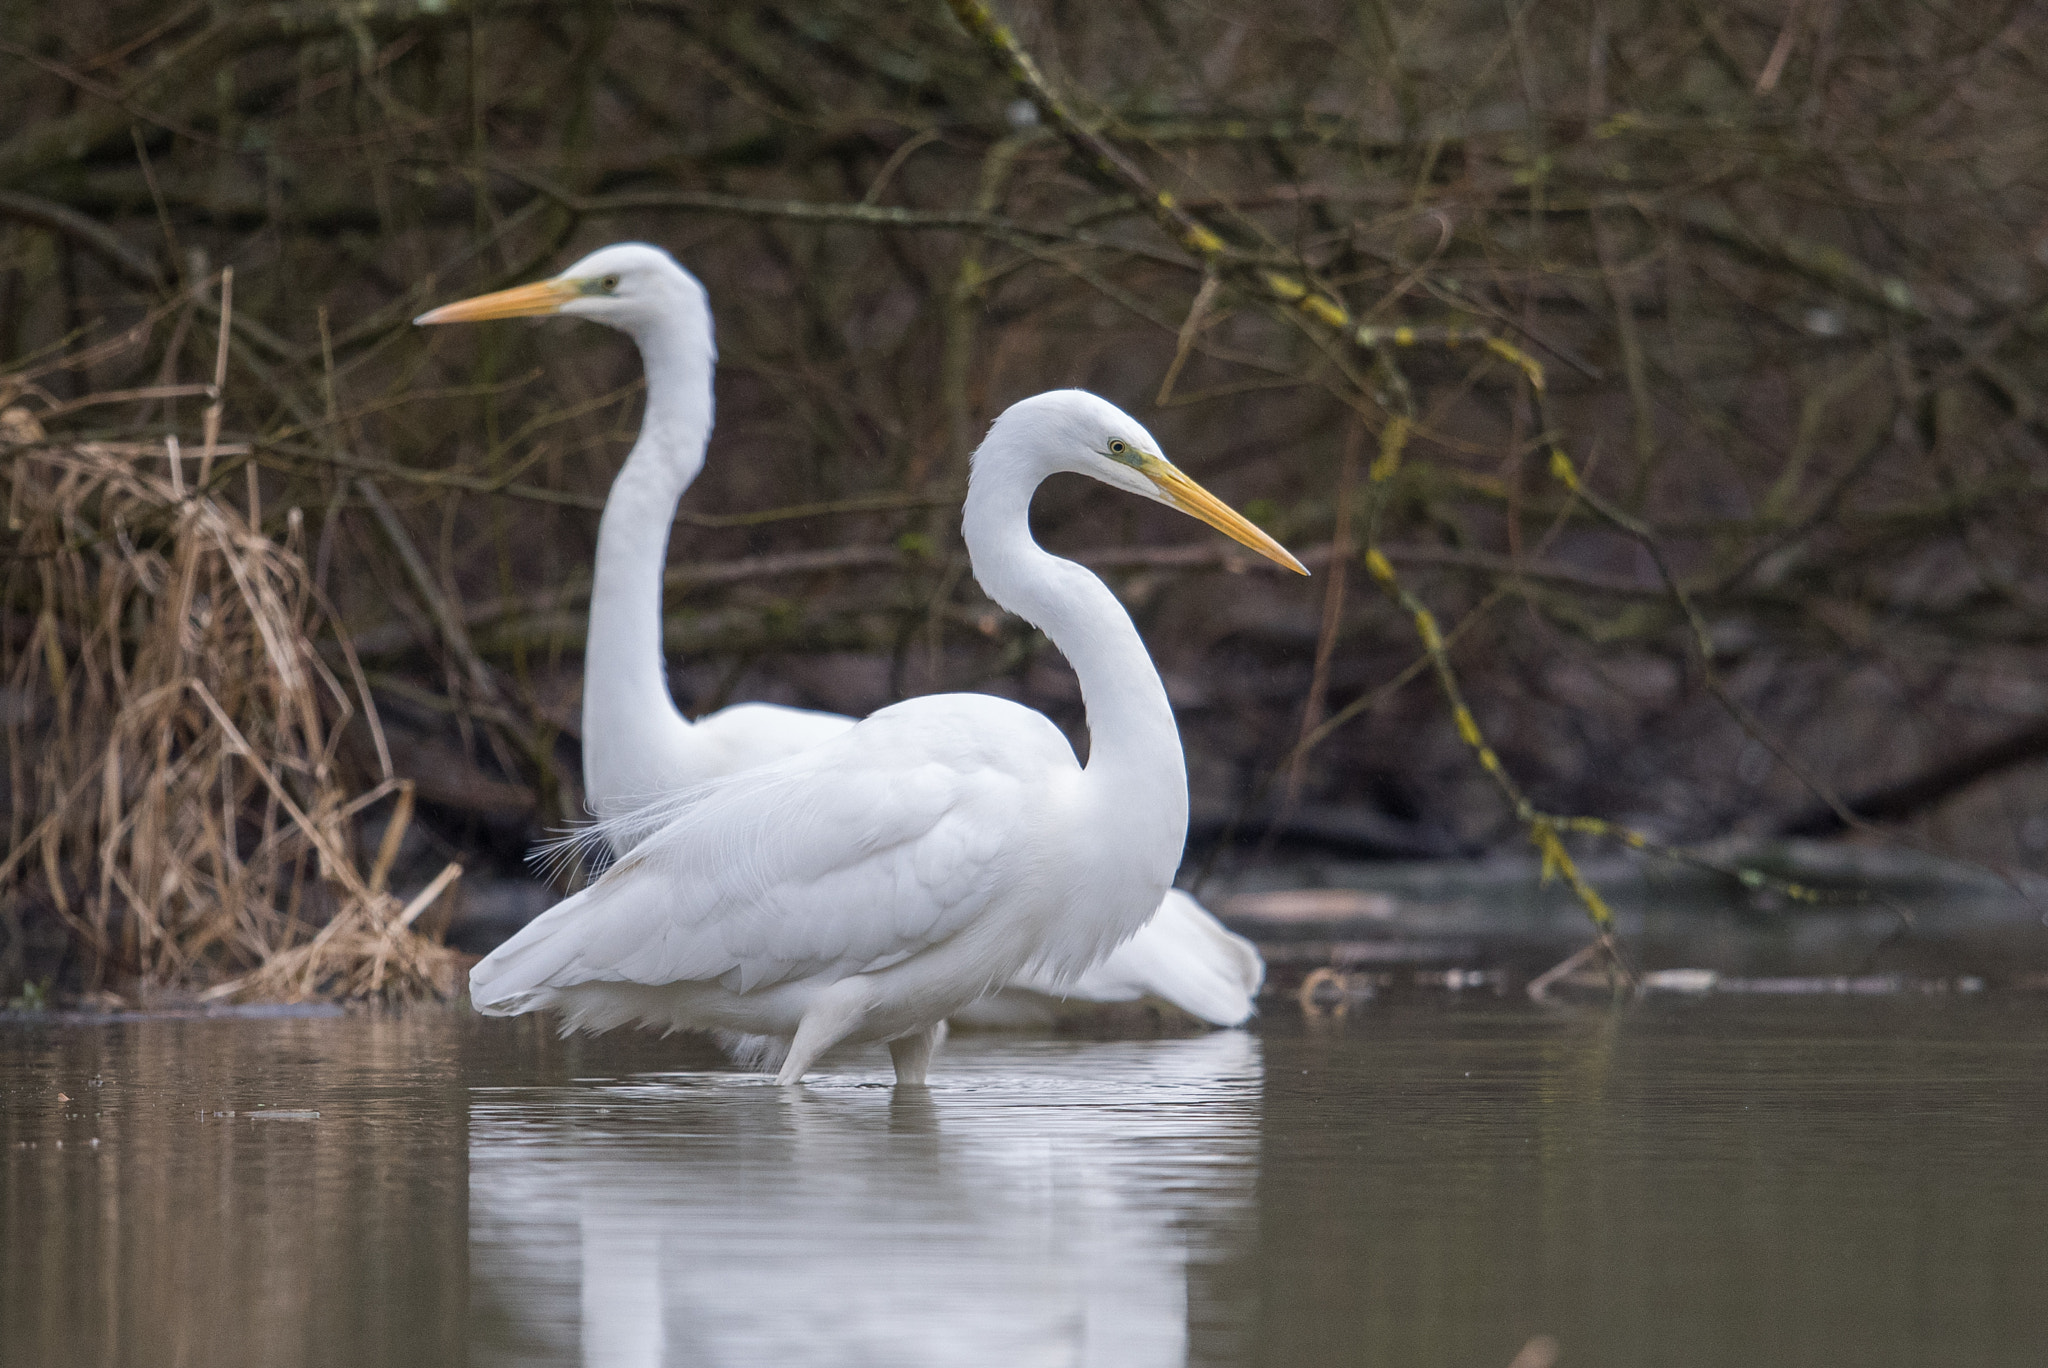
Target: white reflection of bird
1072 1203
639 748
871 885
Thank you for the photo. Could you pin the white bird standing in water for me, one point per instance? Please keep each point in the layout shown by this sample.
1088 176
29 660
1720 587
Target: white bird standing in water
870 886
638 748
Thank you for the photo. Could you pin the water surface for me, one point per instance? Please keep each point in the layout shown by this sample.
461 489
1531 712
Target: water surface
1723 1182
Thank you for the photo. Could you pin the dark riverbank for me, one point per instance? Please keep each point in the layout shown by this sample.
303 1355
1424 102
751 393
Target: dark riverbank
1658 395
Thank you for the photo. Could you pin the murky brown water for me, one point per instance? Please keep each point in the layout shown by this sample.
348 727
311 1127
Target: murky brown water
1720 1182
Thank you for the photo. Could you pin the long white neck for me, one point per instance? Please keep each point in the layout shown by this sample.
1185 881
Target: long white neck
1136 776
632 729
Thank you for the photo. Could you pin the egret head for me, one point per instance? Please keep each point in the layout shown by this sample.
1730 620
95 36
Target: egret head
1073 430
627 285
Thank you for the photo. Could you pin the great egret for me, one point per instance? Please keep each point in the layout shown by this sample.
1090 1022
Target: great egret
872 885
638 748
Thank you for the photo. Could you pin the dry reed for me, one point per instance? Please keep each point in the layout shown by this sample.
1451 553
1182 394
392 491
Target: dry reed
175 797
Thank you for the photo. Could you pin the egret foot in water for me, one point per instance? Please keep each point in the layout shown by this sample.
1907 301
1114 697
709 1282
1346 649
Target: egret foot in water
913 1053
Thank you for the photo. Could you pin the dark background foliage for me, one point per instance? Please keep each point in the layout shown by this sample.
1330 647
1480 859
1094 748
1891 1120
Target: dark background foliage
1783 267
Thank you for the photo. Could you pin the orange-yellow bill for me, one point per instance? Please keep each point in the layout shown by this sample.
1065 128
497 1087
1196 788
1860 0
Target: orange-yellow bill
521 301
1191 498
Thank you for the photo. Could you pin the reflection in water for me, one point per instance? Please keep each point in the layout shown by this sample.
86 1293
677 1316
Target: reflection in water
1717 1184
1047 1202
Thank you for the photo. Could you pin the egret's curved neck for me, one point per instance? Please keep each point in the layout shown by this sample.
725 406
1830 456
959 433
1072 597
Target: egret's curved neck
1134 755
630 722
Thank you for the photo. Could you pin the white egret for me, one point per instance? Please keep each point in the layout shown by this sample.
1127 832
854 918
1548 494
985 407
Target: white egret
638 748
868 887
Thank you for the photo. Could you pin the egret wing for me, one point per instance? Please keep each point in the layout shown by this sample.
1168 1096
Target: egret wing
845 858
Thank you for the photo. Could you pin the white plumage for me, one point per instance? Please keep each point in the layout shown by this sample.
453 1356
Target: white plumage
871 885
1183 955
850 857
640 751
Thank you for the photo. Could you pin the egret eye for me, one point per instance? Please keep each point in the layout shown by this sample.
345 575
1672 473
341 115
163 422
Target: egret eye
1119 447
610 284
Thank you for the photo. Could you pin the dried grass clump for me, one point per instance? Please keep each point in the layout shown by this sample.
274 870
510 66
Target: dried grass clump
174 799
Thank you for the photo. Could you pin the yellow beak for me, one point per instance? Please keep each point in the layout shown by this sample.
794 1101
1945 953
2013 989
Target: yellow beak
541 297
1192 499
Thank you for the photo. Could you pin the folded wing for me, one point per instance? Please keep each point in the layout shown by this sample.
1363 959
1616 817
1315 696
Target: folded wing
848 857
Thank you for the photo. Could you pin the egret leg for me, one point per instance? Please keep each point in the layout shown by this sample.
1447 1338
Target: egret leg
913 1053
831 1018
